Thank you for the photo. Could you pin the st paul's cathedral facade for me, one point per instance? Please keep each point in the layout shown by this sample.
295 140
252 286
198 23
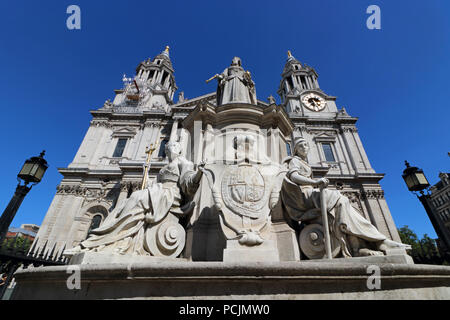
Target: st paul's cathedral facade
125 148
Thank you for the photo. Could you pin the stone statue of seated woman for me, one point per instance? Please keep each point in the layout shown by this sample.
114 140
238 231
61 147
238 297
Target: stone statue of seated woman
351 233
147 222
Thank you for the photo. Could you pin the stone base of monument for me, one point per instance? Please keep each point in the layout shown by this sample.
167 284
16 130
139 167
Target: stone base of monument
395 258
107 258
234 252
247 281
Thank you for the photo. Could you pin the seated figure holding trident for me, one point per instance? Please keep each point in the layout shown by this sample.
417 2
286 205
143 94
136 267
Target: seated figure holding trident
135 224
350 232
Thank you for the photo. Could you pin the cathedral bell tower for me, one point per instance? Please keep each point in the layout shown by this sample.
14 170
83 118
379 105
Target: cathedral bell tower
154 86
299 89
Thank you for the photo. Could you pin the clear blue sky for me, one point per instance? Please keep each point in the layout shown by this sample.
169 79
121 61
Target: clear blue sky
396 80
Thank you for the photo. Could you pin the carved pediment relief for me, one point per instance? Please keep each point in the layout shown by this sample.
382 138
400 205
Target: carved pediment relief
124 132
323 135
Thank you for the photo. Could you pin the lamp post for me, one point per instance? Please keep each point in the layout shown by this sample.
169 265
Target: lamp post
32 172
416 181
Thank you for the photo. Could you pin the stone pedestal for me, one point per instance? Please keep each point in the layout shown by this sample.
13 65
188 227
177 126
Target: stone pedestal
247 281
395 259
110 258
265 252
287 243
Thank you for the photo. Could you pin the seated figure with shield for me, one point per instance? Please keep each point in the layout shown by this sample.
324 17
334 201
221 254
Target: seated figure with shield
303 198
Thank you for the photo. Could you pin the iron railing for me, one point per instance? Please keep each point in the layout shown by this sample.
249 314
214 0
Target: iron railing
16 252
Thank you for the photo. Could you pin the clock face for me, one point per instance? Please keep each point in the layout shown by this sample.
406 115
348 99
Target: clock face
314 102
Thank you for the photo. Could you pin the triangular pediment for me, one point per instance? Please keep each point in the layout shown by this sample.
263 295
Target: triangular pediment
125 132
326 134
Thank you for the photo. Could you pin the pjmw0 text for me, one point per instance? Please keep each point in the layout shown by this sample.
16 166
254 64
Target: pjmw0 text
238 309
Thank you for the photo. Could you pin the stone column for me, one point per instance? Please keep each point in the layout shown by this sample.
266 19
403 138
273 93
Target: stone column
184 140
362 152
308 80
173 133
166 83
155 77
159 77
347 168
274 145
198 141
367 213
208 152
87 148
132 146
155 138
138 147
143 74
286 83
388 219
371 197
294 80
101 145
352 149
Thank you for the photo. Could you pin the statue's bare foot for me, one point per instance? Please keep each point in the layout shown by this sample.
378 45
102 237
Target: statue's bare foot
364 252
389 244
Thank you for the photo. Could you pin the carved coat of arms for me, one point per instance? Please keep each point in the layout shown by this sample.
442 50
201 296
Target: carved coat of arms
244 191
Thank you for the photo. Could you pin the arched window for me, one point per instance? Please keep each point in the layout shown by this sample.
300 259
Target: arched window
97 214
96 220
162 148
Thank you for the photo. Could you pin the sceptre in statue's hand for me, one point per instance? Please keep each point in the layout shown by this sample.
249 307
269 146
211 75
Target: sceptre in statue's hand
149 152
213 77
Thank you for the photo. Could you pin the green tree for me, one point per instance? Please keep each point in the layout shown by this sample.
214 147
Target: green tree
409 237
19 243
428 246
422 250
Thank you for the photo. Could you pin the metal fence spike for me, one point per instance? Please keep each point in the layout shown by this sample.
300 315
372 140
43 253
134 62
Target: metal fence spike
50 257
33 246
41 255
62 258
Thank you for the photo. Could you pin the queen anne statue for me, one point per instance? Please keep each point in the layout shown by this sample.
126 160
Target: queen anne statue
147 222
235 85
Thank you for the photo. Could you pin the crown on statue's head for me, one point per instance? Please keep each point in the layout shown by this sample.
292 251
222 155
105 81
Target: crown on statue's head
298 140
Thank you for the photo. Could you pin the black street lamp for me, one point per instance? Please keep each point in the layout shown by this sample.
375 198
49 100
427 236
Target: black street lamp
32 172
416 181
415 178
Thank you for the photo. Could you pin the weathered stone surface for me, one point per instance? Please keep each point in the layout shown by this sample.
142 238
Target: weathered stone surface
267 251
218 280
395 258
109 258
333 226
143 112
